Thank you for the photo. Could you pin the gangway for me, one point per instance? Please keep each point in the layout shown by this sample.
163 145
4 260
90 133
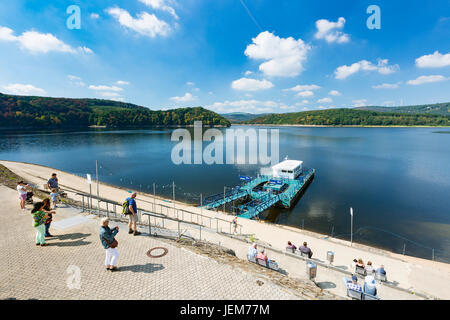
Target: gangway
255 207
220 199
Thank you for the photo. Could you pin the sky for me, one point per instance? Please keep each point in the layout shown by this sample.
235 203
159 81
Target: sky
254 56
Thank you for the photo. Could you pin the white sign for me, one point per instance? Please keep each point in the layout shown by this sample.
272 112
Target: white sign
89 180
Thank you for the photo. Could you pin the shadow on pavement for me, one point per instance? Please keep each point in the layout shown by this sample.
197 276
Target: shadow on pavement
78 240
326 285
146 268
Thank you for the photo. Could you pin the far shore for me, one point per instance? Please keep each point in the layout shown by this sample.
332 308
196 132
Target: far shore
330 126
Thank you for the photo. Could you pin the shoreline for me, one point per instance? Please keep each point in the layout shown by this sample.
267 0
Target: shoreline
330 126
315 234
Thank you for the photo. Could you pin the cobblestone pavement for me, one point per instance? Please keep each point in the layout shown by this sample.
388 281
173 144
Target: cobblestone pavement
32 272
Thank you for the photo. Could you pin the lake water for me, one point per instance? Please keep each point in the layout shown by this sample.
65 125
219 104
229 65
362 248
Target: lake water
396 179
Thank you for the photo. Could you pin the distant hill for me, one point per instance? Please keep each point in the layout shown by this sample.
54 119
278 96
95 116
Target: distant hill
235 117
44 112
438 108
341 117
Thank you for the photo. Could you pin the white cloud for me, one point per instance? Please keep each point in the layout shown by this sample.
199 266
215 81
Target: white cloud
305 94
325 100
303 87
145 24
37 42
359 103
160 5
189 83
109 94
284 57
329 31
248 72
105 88
186 98
246 84
94 16
252 106
76 80
23 89
427 79
387 86
382 67
122 83
435 60
334 93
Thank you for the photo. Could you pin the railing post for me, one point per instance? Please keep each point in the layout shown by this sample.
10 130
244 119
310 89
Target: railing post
432 255
200 233
178 228
149 226
404 248
82 208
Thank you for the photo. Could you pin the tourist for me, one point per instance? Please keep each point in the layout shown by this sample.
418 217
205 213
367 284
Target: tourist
252 251
261 255
304 248
353 265
55 197
39 217
354 285
381 270
132 214
369 269
234 222
360 263
369 285
291 246
22 189
52 183
109 244
50 213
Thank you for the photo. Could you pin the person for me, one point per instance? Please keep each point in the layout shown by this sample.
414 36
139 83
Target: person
369 285
107 238
262 255
39 217
132 214
353 265
354 285
55 197
304 248
22 189
252 251
291 246
381 270
52 183
369 267
360 263
50 213
235 224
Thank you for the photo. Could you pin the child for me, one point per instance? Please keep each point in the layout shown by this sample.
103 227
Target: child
55 197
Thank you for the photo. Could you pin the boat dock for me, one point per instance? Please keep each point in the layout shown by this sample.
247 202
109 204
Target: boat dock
265 191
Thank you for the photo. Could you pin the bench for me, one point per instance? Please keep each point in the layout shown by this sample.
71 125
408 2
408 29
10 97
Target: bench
360 270
289 249
271 264
358 295
380 277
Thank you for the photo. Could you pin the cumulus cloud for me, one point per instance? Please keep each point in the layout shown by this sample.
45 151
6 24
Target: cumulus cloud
160 5
325 100
23 89
387 86
145 24
248 72
105 88
426 79
334 93
189 83
76 80
94 15
122 83
381 67
304 94
284 57
186 98
359 103
37 42
246 84
252 106
303 87
329 31
435 60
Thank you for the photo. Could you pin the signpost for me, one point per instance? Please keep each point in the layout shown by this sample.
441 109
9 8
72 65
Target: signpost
89 181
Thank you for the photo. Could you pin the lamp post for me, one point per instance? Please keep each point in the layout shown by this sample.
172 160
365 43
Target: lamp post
351 226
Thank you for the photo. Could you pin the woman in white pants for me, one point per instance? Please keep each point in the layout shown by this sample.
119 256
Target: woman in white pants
109 244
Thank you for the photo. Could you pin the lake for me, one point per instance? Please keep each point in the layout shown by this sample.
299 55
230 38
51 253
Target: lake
396 179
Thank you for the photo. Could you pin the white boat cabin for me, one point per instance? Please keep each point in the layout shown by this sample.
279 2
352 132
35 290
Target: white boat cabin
287 169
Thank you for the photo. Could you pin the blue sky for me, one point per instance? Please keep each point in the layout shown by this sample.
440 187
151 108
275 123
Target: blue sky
277 56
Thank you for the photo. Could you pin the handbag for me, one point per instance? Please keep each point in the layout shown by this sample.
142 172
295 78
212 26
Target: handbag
113 244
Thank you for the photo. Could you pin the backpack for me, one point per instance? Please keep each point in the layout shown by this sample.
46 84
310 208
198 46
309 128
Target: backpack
125 209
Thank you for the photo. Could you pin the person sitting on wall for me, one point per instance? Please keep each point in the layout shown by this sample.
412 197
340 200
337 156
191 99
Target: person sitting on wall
291 246
252 251
354 285
369 285
261 255
304 249
369 268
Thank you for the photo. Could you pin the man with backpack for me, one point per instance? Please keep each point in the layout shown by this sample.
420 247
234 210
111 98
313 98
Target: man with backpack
130 210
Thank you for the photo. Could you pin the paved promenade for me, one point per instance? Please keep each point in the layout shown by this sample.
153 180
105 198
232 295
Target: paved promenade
30 272
413 274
